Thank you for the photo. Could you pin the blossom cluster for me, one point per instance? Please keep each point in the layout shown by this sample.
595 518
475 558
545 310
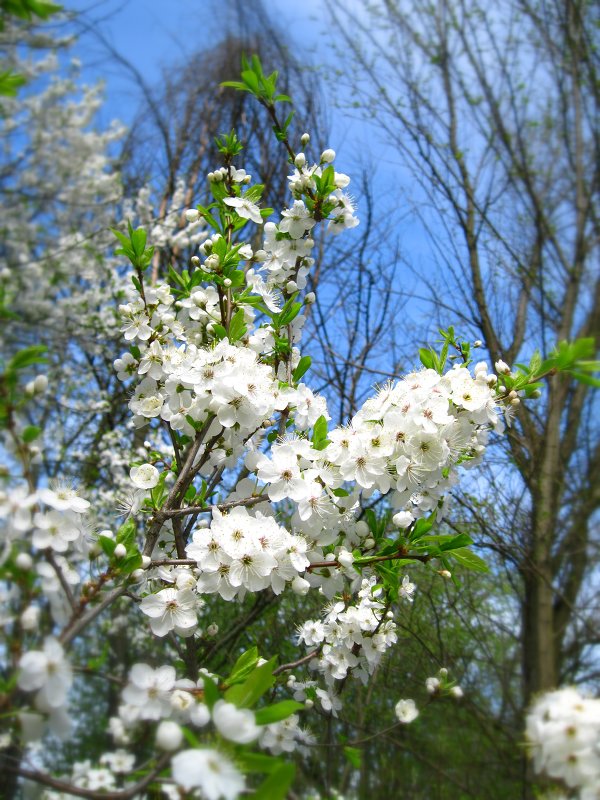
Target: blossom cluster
563 731
243 551
351 636
405 442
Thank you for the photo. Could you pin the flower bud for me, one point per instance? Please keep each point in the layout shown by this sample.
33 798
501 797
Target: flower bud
502 367
195 261
40 384
120 551
30 618
443 672
327 156
24 561
457 692
345 558
212 629
308 703
477 343
291 287
300 160
310 298
403 519
168 735
146 561
227 283
369 543
192 215
304 139
137 574
300 586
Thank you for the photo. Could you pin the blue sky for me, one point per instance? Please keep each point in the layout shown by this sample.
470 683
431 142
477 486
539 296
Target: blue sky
156 34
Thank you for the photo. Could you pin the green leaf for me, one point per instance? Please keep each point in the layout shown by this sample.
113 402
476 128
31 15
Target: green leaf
30 433
426 358
246 694
469 560
277 712
257 762
302 367
243 666
126 534
587 379
354 756
319 430
108 545
10 82
421 528
130 563
237 326
277 784
211 691
28 357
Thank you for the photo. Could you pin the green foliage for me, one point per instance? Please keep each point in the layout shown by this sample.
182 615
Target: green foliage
134 247
277 783
260 680
319 437
277 712
228 145
254 81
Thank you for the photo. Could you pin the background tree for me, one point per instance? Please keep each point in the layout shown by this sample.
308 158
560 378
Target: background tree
496 115
513 175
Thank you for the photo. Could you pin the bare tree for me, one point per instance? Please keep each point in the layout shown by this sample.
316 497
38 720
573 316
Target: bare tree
495 110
